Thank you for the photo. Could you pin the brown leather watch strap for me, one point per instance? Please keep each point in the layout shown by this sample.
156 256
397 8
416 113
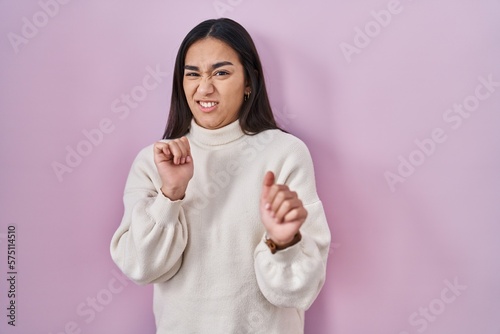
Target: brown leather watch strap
274 247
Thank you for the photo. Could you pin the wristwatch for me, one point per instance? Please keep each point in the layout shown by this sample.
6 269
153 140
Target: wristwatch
274 247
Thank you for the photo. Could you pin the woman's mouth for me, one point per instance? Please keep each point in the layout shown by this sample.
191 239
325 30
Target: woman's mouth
207 106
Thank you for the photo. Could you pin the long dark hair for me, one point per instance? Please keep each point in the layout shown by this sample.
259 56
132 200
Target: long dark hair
255 114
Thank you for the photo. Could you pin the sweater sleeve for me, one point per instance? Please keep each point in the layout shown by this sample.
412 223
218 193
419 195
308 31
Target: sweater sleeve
294 277
149 243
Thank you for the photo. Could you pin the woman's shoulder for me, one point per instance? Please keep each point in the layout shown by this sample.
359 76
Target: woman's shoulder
282 140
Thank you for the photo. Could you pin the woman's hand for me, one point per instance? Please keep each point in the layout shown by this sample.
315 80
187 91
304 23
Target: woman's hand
281 211
175 166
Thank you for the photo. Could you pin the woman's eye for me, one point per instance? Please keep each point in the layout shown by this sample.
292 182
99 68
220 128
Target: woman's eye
219 73
191 74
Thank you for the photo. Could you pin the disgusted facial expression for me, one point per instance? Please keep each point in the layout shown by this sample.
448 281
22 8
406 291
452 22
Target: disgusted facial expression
214 83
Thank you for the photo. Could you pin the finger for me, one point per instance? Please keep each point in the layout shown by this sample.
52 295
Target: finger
167 153
161 152
277 194
266 186
284 202
176 151
186 148
185 142
159 147
297 214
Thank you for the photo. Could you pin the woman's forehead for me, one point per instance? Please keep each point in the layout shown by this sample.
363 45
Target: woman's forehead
210 51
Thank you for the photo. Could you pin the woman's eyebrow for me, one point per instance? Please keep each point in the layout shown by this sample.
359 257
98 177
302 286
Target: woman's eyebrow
220 64
191 68
214 66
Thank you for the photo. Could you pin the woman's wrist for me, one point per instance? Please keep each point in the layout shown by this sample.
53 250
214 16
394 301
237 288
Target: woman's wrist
173 194
277 246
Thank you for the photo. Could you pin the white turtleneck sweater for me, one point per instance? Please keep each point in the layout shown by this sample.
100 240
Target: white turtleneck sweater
205 254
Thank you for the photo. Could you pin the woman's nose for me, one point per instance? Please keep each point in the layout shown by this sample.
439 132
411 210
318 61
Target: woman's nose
206 87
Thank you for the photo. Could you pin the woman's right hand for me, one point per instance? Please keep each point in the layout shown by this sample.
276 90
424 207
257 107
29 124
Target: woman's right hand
175 166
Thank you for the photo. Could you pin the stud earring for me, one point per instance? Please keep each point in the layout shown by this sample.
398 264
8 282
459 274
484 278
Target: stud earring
247 96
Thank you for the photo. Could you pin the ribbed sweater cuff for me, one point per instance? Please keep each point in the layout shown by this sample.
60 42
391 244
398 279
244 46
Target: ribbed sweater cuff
164 211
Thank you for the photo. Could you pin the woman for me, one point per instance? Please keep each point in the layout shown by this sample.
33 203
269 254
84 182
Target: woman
222 214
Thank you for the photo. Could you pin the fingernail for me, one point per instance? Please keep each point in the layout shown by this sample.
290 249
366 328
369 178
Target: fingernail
188 159
183 160
268 206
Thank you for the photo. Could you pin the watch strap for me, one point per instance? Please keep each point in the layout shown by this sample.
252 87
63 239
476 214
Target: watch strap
274 247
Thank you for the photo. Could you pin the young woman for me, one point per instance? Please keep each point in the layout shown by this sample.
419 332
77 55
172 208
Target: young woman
222 215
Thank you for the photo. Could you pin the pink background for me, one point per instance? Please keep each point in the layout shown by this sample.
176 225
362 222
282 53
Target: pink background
395 251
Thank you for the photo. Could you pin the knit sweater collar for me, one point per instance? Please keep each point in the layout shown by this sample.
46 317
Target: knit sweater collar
221 136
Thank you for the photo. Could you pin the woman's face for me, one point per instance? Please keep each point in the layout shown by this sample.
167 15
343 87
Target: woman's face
214 83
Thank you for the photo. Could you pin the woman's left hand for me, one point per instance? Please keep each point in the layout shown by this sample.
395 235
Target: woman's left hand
281 211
